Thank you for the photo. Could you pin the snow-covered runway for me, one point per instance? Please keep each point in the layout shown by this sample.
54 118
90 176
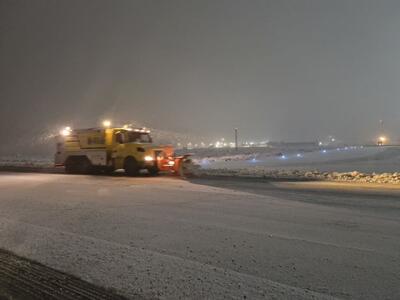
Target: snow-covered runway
169 238
341 159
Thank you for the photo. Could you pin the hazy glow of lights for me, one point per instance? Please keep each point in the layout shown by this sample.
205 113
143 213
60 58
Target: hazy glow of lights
106 123
66 131
324 151
283 156
382 139
299 155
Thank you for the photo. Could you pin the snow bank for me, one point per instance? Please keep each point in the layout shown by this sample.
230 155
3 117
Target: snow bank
26 161
257 172
355 163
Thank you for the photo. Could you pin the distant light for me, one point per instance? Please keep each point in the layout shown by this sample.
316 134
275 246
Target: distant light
106 123
382 139
171 163
324 151
320 143
298 155
283 156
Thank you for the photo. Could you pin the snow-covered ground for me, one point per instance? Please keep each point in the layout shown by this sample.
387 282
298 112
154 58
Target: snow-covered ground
349 163
346 159
26 161
162 238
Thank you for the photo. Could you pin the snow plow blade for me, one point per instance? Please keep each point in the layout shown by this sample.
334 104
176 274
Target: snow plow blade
176 165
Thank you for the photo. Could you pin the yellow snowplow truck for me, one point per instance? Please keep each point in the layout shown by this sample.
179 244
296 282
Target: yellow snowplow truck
85 151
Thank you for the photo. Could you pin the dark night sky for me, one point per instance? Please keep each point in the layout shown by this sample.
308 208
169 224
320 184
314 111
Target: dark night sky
283 70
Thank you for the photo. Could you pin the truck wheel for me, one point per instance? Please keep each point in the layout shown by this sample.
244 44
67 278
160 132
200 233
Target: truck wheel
84 166
71 166
78 165
153 171
131 166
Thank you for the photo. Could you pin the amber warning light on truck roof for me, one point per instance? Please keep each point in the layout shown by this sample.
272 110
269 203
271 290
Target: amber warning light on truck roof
66 131
106 123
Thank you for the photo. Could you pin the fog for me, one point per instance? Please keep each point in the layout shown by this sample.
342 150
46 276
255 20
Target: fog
278 70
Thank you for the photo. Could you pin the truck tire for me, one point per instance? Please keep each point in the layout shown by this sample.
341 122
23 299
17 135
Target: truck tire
131 166
78 165
71 165
70 168
85 166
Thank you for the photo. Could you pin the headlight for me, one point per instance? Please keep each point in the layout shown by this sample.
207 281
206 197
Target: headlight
148 158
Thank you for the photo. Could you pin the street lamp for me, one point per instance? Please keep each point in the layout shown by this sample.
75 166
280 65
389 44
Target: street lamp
236 139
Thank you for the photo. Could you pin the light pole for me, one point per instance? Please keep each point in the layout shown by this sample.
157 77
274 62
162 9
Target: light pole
236 139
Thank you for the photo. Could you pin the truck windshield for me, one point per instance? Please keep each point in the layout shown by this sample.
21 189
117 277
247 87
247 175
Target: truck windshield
137 137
